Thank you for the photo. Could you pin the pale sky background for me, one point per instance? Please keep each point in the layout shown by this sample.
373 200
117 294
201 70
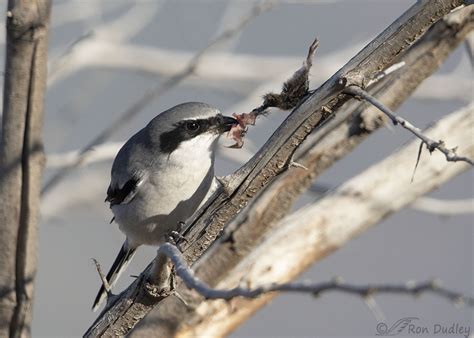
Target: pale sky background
410 245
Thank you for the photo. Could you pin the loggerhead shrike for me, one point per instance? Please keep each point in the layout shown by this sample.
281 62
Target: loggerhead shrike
160 177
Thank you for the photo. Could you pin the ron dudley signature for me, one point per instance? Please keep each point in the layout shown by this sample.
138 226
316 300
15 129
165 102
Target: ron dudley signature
410 326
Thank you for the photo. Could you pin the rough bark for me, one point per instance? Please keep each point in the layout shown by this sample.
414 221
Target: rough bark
316 230
333 141
276 154
21 160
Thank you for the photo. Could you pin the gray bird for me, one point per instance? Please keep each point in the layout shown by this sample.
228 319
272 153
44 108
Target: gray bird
160 177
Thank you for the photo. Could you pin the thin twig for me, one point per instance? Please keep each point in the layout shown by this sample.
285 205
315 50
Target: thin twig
316 289
450 154
106 284
152 94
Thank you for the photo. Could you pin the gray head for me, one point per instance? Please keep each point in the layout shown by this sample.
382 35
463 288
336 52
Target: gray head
189 125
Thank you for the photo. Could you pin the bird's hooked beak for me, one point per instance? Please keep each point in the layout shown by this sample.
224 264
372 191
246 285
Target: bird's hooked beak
225 123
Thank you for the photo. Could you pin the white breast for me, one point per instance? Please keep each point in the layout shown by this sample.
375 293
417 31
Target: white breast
170 194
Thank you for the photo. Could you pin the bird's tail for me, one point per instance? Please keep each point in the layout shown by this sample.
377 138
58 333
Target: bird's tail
123 258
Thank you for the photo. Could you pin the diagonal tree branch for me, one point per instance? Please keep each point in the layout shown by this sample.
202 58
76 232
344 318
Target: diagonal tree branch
317 230
274 157
436 206
330 142
444 207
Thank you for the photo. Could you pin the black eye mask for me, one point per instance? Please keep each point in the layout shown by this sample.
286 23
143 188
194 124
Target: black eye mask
183 131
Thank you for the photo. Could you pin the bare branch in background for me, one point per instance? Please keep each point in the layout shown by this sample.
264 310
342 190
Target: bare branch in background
441 207
21 160
218 68
444 207
102 152
83 47
450 86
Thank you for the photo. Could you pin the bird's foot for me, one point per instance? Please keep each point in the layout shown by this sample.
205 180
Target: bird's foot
181 226
174 237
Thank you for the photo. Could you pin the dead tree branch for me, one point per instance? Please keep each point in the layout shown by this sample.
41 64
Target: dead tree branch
351 125
431 144
273 158
21 160
444 207
314 231
436 206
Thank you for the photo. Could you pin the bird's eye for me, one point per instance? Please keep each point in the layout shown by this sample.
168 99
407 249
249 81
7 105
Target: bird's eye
192 126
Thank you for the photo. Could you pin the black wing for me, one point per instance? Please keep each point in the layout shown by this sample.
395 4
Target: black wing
117 195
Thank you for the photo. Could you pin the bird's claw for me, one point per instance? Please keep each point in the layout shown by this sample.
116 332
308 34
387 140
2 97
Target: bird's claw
175 236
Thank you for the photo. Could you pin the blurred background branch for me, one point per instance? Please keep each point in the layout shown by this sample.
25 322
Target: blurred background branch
138 105
21 161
